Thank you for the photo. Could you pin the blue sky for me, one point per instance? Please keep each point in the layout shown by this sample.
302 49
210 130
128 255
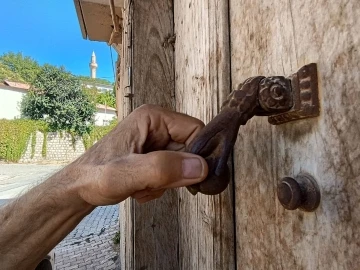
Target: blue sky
49 32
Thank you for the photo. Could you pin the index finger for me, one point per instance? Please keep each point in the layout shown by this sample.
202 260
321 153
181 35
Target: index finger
183 128
180 127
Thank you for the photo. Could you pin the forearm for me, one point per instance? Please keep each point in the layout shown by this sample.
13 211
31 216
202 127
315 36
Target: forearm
34 223
128 161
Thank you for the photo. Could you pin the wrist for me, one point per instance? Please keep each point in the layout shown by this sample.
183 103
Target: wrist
68 183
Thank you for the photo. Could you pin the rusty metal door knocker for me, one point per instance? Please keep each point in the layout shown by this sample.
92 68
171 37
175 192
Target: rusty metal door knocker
283 99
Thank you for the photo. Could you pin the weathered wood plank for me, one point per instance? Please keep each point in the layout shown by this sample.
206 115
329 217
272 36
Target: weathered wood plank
156 222
202 83
124 106
123 80
153 67
278 38
126 234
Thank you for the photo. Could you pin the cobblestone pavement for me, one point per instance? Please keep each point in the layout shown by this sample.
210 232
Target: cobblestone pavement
90 245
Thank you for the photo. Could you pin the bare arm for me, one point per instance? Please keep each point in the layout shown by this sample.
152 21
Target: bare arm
34 223
126 162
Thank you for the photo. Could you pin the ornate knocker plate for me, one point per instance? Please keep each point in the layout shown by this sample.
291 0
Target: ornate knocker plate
283 99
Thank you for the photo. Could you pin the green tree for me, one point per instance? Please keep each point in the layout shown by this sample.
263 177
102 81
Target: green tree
7 74
107 98
57 97
88 80
25 68
92 93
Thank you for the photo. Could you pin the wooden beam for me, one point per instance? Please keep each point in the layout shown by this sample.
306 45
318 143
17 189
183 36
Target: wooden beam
150 239
202 73
124 107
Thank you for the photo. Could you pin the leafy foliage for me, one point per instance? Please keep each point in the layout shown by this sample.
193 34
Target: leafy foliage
15 135
116 238
91 93
16 66
97 133
57 97
7 74
88 80
107 98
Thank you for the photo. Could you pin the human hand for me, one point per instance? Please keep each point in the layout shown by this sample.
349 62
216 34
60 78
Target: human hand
141 157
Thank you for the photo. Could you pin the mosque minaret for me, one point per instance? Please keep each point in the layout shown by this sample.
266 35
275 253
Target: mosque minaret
93 66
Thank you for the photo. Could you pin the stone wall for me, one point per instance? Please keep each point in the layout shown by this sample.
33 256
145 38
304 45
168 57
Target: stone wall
60 148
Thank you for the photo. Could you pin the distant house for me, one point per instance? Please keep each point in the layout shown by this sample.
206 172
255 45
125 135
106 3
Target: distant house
11 94
99 86
104 115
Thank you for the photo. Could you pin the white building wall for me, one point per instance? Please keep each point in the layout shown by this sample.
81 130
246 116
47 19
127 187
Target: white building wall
102 118
10 99
100 87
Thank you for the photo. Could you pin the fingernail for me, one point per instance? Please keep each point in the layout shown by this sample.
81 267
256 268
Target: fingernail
192 168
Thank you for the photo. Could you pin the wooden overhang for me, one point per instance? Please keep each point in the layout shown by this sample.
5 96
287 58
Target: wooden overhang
100 20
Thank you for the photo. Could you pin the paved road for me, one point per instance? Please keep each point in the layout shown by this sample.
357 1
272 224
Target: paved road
16 179
90 244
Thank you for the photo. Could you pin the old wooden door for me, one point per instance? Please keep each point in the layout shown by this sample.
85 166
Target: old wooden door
275 38
218 45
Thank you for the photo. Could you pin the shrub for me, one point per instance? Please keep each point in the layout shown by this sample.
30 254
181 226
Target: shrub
15 135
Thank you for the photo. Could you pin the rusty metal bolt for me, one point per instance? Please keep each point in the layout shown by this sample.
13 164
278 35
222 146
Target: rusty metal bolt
301 192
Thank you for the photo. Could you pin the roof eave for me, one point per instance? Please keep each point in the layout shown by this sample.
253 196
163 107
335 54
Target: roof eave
80 16
100 20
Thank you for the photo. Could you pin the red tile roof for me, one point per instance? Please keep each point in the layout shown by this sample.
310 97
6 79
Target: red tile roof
24 86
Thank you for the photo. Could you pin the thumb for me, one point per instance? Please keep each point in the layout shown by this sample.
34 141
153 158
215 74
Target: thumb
170 169
143 176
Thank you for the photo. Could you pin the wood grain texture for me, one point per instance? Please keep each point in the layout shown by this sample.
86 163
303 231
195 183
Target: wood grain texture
202 83
118 87
123 82
276 38
126 246
153 60
155 223
124 106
